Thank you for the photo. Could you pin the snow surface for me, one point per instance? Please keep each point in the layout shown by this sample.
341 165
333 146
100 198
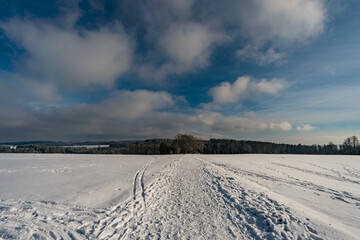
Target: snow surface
55 196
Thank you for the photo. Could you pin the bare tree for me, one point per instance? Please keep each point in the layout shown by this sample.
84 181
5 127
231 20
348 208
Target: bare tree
351 145
184 143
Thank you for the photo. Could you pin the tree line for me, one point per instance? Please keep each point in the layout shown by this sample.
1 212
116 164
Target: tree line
184 143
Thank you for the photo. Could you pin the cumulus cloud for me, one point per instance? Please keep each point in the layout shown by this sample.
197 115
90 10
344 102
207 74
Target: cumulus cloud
229 93
187 47
70 58
270 56
183 42
273 87
31 89
124 113
283 126
132 104
305 127
273 27
258 20
218 122
281 20
121 105
236 124
42 91
264 31
189 44
245 87
180 37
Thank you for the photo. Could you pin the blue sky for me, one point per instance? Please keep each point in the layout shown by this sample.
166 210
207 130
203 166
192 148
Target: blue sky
267 70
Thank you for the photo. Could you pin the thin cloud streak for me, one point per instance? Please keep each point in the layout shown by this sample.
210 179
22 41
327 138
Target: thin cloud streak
316 106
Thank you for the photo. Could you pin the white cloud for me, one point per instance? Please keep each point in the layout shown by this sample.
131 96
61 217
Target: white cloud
282 20
71 58
270 56
42 91
236 124
187 47
245 87
187 34
229 93
182 41
32 89
273 87
133 104
283 126
273 27
305 127
218 122
189 44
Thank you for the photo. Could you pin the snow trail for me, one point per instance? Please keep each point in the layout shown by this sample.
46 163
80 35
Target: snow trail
192 200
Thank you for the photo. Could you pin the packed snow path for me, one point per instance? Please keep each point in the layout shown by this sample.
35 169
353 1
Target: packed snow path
192 200
189 198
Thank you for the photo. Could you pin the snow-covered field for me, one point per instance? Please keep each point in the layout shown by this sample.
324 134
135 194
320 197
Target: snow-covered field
54 196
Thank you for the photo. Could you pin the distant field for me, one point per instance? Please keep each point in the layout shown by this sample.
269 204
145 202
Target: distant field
58 196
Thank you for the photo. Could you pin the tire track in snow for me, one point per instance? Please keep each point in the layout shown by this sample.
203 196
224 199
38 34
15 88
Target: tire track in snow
342 196
339 177
261 216
337 227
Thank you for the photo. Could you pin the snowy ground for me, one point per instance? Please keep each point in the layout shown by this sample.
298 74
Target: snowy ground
179 197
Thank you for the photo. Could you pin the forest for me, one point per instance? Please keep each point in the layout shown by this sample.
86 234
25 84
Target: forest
184 143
